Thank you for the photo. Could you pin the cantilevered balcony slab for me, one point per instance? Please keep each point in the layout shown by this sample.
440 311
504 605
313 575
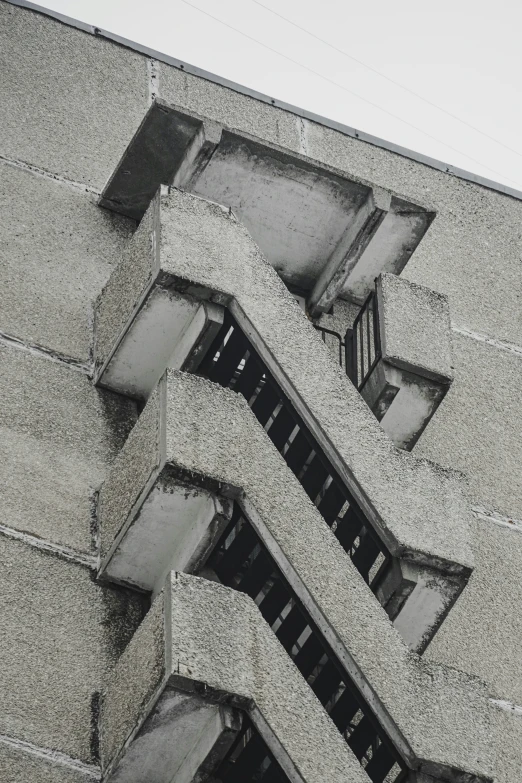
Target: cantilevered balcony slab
202 657
197 435
198 252
413 372
326 234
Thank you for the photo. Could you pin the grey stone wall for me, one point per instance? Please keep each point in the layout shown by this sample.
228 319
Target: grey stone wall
70 104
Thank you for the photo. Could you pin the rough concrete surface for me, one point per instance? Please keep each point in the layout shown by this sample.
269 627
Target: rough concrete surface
125 287
507 735
57 249
78 98
18 765
476 428
61 634
137 462
471 251
482 633
134 682
204 424
216 636
230 108
418 505
415 327
58 436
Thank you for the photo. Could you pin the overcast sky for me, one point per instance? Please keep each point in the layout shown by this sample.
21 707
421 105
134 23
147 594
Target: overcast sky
464 56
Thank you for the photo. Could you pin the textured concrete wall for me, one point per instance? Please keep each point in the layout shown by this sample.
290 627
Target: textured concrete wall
77 97
59 434
70 104
57 249
61 634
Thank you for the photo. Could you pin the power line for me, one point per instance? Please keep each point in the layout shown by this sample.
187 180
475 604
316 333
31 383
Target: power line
388 78
346 89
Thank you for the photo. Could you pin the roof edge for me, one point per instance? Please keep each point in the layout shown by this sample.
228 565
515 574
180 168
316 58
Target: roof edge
418 157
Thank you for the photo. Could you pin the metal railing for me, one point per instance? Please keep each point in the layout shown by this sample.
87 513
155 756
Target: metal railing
363 343
241 561
330 337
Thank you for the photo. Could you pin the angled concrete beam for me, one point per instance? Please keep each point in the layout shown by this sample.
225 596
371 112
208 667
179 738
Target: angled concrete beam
391 248
203 652
169 146
348 252
198 436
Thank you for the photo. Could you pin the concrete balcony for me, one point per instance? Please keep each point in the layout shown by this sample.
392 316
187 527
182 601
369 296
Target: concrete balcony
399 356
196 441
325 234
202 671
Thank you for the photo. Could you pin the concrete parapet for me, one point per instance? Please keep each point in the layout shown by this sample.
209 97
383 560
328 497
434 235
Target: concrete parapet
202 653
202 441
413 372
198 252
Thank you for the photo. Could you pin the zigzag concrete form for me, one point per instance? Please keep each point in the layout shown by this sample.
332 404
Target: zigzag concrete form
195 436
159 309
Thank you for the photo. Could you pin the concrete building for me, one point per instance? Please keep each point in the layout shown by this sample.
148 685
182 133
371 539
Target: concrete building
261 503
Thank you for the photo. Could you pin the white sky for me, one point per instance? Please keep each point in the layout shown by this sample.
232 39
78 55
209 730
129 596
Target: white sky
463 55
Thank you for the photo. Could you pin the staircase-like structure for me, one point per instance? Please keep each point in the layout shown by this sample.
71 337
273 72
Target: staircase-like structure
251 438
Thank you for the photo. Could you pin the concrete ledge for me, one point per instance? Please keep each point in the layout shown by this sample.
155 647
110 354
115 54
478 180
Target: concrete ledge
202 652
418 509
194 428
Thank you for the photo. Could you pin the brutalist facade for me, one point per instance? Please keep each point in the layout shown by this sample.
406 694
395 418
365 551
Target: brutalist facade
261 512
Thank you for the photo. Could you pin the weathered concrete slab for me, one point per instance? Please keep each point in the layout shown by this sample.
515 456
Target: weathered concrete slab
61 635
475 429
57 250
203 252
488 607
315 227
348 252
415 328
78 98
200 636
153 157
58 438
193 427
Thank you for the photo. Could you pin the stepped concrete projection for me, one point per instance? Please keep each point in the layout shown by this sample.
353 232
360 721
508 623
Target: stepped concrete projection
414 372
205 643
188 254
325 233
437 717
